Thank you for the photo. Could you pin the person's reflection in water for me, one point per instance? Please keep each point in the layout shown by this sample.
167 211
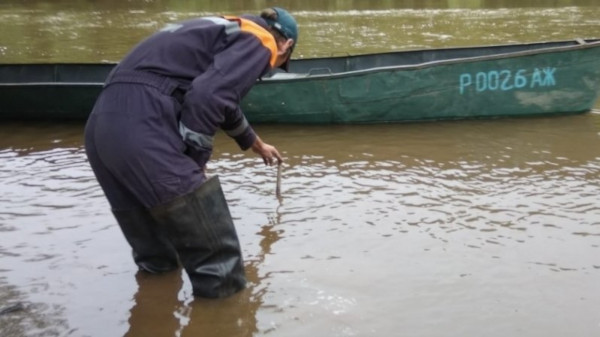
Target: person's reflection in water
156 305
236 316
163 307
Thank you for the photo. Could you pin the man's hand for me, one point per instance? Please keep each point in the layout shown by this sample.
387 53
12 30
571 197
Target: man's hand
267 152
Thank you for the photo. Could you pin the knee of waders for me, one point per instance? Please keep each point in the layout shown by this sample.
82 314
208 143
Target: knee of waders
152 250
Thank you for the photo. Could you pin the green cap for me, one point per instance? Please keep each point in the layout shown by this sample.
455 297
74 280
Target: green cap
285 24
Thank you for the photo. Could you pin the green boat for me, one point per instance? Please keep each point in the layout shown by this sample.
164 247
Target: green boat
533 79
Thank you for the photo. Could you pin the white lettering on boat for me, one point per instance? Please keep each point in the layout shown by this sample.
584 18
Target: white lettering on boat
506 80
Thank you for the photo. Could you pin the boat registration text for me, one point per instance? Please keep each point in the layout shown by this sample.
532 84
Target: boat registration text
506 80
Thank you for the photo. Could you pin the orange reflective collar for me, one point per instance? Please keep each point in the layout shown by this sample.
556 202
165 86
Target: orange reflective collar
265 37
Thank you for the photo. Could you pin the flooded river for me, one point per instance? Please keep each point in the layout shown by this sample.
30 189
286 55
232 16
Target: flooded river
470 228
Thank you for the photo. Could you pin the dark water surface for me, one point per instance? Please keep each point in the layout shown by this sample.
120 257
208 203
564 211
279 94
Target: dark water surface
471 228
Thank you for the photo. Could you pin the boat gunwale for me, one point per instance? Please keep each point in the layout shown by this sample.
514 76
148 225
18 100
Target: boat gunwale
543 50
588 43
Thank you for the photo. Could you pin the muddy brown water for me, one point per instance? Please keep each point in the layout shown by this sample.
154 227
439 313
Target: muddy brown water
466 228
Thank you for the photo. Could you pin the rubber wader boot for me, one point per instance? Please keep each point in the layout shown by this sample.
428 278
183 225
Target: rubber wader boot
201 229
152 251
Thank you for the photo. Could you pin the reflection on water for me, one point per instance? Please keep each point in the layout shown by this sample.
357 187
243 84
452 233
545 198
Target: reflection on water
163 306
380 229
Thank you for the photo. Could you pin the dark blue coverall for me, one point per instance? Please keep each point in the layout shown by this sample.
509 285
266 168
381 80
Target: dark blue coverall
150 133
148 142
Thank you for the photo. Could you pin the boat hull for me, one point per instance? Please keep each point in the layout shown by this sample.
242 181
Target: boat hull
47 102
561 82
445 84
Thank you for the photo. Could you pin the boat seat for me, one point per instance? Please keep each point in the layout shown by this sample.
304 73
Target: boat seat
283 75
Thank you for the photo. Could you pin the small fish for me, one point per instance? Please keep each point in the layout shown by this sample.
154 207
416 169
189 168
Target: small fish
278 186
